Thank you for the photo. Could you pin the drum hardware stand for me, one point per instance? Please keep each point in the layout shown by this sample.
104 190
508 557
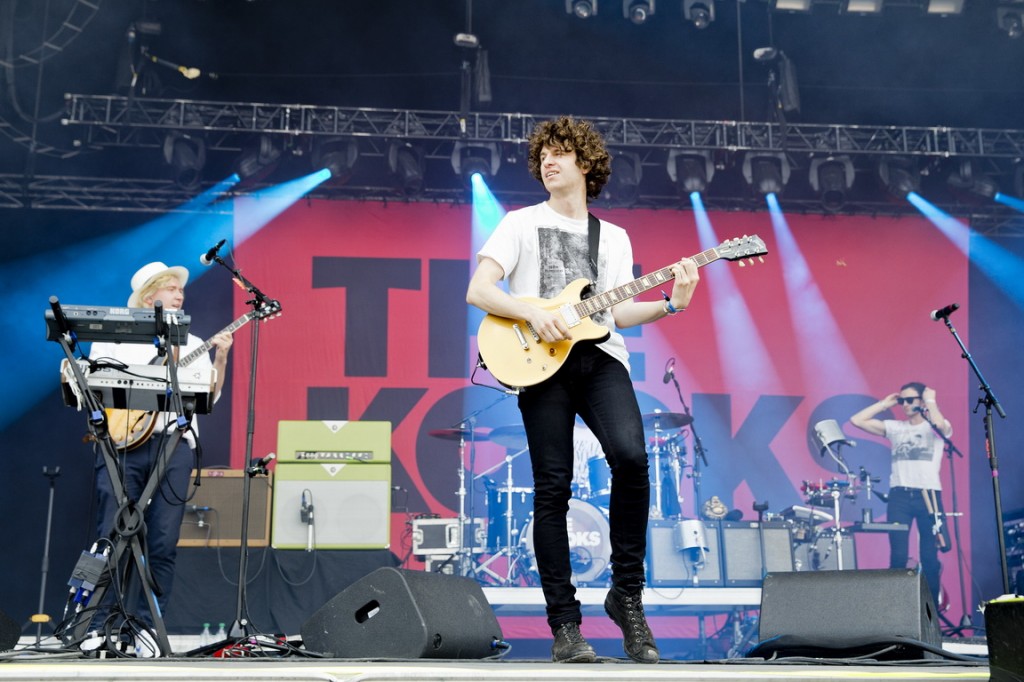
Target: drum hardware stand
828 434
131 546
656 451
511 549
40 617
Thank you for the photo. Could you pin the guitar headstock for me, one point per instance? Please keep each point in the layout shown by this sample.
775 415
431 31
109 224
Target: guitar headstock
742 248
270 309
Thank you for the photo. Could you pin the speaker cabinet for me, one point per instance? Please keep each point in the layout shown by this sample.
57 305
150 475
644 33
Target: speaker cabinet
351 505
839 614
395 613
213 517
9 632
672 567
741 549
1004 632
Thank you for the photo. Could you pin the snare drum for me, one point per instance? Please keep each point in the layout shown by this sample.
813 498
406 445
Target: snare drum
590 548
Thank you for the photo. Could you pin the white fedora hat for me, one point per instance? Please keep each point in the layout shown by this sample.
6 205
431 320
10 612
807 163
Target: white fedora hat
148 273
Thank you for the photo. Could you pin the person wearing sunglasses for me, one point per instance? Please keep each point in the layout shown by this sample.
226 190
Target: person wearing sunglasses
915 493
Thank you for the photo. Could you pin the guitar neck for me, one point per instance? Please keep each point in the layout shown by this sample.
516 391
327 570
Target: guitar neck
207 345
596 304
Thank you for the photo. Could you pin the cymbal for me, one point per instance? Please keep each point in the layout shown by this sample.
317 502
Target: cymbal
666 420
512 437
459 434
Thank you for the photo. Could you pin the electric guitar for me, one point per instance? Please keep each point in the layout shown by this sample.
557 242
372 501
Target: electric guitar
517 357
131 428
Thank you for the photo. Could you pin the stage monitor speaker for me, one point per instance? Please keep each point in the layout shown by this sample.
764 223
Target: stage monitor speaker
9 632
1004 632
395 613
741 549
213 517
670 566
887 614
351 504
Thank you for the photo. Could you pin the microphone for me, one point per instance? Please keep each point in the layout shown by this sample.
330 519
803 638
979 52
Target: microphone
943 313
264 461
669 370
207 258
306 514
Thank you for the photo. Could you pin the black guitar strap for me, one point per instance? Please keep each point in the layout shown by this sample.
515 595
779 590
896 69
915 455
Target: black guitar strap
593 241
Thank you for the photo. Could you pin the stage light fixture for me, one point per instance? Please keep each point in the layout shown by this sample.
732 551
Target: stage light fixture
899 175
944 7
766 173
259 159
472 158
690 171
1010 20
700 12
966 176
637 11
862 6
624 183
186 155
582 9
792 5
338 155
407 167
831 177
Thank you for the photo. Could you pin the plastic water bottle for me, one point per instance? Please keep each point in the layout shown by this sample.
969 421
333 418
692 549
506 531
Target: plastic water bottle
205 637
222 634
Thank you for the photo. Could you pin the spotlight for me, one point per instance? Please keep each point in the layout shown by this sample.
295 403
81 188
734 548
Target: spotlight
637 11
405 161
186 155
792 5
766 173
624 182
831 177
583 9
338 155
965 177
471 158
899 175
862 6
690 171
258 160
944 7
700 12
1009 20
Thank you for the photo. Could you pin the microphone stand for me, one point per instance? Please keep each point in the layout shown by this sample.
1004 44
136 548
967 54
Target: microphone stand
240 625
698 449
950 448
40 616
989 401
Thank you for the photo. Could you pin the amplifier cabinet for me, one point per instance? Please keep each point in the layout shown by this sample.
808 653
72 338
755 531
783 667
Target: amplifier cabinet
351 505
213 517
668 565
742 546
367 442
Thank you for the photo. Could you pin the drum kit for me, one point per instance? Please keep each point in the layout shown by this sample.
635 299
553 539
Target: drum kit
509 558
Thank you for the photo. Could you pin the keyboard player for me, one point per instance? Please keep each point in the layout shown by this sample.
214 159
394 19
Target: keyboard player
155 282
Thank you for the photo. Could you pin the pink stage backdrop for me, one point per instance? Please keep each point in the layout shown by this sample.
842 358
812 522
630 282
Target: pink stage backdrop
375 326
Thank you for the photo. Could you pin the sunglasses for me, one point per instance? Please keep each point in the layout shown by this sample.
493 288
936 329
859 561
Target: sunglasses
908 401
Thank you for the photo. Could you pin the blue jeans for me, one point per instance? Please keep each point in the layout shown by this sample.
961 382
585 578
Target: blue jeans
595 386
906 505
162 517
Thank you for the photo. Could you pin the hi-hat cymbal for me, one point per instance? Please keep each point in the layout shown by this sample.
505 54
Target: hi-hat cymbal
512 437
459 434
666 420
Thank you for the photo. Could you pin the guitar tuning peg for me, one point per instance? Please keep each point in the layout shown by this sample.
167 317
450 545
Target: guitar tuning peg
761 258
742 264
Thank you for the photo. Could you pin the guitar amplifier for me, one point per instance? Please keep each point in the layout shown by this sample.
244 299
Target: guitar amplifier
213 517
334 441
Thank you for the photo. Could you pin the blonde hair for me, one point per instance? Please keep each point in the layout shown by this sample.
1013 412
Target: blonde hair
156 284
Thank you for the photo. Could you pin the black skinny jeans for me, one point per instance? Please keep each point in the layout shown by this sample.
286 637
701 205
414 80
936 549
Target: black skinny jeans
597 387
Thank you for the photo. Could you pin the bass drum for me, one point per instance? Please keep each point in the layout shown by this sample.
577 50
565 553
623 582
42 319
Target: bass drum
590 548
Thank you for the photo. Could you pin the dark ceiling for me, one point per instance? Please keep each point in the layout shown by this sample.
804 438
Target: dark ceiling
900 67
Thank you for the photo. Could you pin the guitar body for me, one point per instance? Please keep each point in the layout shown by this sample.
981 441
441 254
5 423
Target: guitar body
517 358
130 428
